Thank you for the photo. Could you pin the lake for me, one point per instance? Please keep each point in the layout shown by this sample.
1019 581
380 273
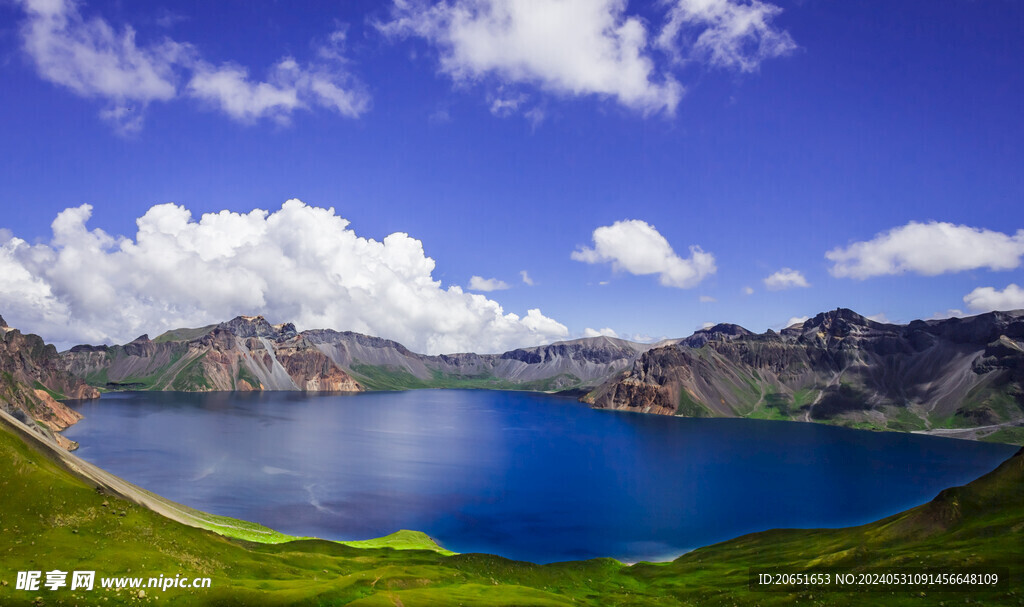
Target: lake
526 476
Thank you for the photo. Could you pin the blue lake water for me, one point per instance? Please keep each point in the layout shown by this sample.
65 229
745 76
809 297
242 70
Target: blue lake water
526 476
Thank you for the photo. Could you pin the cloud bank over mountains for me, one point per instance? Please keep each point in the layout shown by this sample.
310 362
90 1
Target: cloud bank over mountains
299 263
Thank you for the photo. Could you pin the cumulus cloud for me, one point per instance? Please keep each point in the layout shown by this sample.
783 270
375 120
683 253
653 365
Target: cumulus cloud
638 248
930 249
479 283
92 59
796 320
724 33
605 332
786 278
526 278
589 47
573 47
986 299
299 263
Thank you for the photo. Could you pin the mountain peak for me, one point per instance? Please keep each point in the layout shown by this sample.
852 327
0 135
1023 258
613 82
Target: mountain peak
832 317
720 332
257 326
841 321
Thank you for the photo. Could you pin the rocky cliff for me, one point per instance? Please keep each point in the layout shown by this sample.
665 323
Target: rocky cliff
248 353
245 353
33 378
838 367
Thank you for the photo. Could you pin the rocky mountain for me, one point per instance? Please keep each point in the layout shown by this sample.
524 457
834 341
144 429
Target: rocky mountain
561 366
248 353
957 376
33 378
838 367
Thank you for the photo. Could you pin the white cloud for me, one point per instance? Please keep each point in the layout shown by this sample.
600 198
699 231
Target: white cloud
606 332
229 88
748 290
643 338
440 116
526 278
928 248
986 299
707 299
796 320
504 106
479 283
590 47
786 278
724 33
92 59
950 313
572 47
535 116
706 325
300 263
636 247
289 86
880 317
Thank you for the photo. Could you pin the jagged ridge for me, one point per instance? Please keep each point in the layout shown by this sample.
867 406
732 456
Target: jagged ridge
838 367
248 353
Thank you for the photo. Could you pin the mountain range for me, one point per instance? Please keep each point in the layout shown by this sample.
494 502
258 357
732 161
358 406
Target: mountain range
249 353
960 376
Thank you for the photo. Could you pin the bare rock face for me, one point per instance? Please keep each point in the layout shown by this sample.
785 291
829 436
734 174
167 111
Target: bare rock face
32 378
249 353
311 370
246 353
651 386
54 413
837 367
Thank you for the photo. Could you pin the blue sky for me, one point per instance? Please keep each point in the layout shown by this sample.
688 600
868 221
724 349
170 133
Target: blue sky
507 136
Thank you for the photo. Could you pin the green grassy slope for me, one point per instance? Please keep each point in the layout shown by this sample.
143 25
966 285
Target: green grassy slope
52 519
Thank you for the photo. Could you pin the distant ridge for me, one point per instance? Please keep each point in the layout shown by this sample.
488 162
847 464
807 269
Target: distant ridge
956 377
249 353
960 377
